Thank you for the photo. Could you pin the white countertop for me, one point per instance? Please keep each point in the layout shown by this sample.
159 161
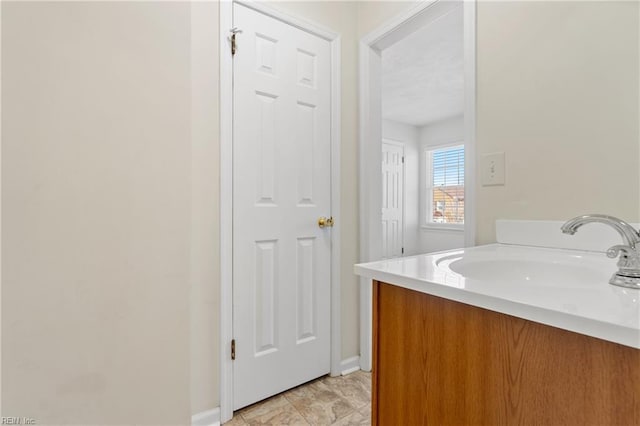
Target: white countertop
567 289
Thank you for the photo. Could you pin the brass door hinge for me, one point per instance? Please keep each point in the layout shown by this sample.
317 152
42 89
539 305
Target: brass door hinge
234 31
233 349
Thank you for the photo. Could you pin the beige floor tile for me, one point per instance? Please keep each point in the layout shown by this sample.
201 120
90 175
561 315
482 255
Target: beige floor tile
237 420
286 415
350 388
263 407
366 412
315 389
318 412
363 377
353 419
342 400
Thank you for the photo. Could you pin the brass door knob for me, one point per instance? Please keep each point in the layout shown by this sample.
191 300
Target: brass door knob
324 222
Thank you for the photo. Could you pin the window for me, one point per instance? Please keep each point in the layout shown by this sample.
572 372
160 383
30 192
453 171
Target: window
444 186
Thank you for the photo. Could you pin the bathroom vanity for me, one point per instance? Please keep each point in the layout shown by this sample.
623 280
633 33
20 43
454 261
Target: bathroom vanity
503 335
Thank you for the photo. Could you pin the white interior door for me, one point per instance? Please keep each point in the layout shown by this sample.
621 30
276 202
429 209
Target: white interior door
392 199
281 186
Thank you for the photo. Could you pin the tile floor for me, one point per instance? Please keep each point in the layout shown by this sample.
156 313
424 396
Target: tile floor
343 400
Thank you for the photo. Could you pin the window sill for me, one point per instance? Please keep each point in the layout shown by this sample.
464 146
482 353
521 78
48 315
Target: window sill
443 227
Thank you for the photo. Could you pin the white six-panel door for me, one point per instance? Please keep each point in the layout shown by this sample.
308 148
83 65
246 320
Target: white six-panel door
392 199
281 186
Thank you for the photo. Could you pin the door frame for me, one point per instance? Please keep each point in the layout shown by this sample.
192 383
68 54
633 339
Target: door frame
404 183
371 46
226 189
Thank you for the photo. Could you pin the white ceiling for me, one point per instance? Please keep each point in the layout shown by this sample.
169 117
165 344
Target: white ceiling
422 74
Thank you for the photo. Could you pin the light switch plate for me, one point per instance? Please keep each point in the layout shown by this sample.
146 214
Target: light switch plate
492 169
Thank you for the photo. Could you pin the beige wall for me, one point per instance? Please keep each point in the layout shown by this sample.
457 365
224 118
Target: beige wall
205 207
558 93
96 210
372 14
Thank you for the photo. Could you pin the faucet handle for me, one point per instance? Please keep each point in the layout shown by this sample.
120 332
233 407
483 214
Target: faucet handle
629 262
626 251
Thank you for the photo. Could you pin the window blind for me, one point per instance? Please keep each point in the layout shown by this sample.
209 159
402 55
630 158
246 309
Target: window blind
447 185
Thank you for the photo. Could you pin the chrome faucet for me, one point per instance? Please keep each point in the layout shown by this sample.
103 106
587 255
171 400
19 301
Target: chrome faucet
628 274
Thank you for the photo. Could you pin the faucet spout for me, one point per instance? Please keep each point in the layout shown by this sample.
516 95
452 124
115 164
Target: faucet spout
628 274
629 235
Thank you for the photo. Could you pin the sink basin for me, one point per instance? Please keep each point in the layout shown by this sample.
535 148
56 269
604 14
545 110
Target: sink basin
534 268
540 273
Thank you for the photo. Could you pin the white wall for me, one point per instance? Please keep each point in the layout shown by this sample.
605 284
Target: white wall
450 130
442 132
96 211
408 136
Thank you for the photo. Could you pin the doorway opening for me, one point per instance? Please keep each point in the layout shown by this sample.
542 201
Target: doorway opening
417 87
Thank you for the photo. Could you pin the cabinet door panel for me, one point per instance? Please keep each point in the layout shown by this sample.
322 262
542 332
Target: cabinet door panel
447 363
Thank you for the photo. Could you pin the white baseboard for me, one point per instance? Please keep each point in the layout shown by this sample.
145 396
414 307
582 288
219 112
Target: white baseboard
349 365
206 418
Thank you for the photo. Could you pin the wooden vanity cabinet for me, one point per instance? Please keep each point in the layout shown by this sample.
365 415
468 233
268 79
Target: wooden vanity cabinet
439 362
